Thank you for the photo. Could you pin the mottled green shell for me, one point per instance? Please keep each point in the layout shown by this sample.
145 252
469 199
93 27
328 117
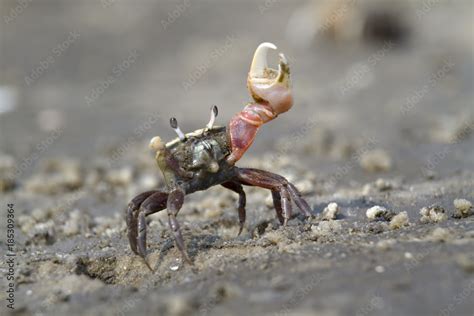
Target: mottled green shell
183 150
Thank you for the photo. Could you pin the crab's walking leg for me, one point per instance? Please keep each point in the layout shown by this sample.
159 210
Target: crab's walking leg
265 180
132 217
300 202
174 204
276 183
155 203
293 191
237 188
277 205
144 204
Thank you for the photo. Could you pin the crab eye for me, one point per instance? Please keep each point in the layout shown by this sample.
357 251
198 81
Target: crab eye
174 125
214 113
214 110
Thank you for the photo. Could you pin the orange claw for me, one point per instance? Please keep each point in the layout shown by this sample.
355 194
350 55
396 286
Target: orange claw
271 92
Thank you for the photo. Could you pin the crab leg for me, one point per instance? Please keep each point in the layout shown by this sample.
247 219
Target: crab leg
174 204
277 205
283 189
237 188
260 179
141 206
294 193
299 201
132 217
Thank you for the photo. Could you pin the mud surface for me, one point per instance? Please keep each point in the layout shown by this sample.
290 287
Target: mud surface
384 126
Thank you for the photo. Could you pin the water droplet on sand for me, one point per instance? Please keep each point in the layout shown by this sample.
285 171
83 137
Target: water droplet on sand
176 264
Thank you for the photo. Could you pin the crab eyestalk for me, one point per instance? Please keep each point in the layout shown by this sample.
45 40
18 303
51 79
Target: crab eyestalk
212 120
270 90
175 127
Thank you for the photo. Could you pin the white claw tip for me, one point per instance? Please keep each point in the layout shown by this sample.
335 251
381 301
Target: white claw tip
268 45
259 62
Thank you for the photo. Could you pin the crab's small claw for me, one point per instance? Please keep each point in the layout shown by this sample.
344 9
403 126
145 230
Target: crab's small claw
270 89
156 144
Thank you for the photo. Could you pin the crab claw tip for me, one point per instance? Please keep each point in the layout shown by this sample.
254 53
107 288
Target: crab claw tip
259 62
283 58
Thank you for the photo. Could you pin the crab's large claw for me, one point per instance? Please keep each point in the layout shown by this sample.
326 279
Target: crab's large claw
267 85
271 92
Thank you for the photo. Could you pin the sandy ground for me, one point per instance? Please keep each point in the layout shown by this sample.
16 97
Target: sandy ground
385 124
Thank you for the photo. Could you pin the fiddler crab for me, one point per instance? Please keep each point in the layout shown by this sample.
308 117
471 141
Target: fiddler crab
206 157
